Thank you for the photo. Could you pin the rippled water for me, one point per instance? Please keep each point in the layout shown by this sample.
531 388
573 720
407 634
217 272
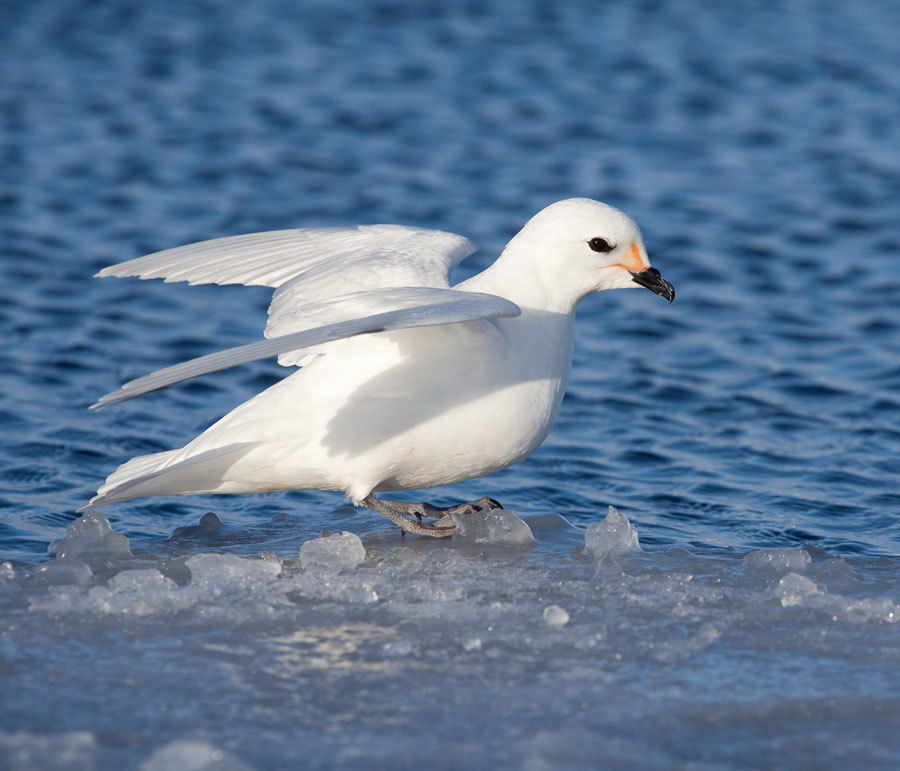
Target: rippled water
755 144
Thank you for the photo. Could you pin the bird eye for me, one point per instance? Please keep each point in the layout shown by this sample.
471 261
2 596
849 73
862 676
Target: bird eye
600 245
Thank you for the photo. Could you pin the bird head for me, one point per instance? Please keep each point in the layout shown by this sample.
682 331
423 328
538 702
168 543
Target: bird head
579 246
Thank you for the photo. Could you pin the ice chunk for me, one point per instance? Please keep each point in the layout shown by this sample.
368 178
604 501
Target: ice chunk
794 589
614 536
872 609
327 584
140 592
496 526
92 536
142 580
778 560
59 573
361 594
219 581
191 755
555 616
217 571
335 551
835 572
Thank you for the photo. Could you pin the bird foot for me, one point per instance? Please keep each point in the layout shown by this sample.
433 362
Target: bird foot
482 504
398 512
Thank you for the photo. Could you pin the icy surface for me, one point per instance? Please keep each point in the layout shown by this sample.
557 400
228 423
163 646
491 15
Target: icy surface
334 551
187 755
614 536
90 538
494 526
65 572
778 560
555 615
526 658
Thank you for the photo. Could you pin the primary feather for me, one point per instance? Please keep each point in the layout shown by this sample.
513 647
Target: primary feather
398 255
319 275
406 308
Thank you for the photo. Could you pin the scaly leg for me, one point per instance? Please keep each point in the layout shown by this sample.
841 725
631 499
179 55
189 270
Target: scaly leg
397 511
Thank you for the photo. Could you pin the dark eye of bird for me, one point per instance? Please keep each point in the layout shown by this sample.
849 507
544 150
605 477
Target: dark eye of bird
600 245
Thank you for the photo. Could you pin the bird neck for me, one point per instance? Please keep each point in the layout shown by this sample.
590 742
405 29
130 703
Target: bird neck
518 277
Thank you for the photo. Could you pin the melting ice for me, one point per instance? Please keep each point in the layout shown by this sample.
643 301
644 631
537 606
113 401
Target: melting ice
516 643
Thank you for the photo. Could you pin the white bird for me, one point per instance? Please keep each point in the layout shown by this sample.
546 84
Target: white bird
406 382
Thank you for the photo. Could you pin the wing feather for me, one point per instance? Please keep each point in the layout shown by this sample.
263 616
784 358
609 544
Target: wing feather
406 255
435 306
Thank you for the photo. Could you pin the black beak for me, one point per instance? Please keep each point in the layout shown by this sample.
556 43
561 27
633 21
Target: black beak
651 279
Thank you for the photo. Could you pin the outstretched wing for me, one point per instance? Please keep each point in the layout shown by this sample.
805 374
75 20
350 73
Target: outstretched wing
312 268
330 283
412 307
377 255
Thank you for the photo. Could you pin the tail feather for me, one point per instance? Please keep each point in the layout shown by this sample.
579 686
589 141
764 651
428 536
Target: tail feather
137 467
158 474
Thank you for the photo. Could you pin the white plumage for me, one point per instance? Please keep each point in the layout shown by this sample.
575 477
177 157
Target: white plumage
409 382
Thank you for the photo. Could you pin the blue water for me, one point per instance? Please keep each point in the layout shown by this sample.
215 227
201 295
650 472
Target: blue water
756 144
756 147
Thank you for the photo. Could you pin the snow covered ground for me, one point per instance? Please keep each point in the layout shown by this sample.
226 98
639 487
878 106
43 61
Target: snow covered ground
518 644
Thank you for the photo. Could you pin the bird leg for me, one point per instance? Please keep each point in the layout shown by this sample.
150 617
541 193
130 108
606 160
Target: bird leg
398 511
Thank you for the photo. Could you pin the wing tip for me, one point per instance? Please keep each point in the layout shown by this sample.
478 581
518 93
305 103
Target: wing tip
119 270
113 397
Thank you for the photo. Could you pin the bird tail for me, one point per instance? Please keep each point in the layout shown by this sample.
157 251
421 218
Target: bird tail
161 474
